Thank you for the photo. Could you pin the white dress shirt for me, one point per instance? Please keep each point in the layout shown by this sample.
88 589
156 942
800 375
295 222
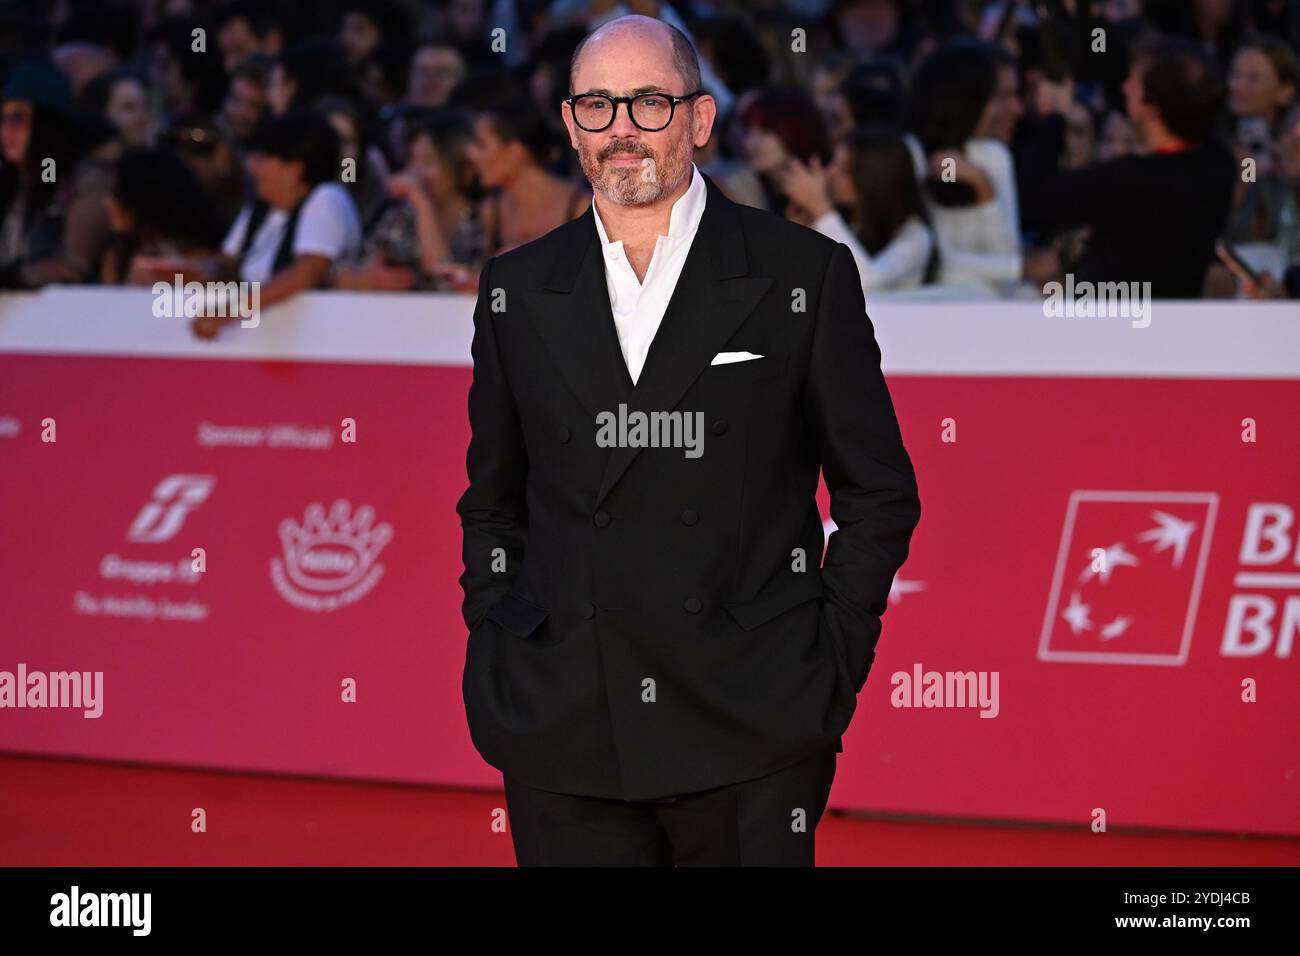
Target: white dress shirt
639 307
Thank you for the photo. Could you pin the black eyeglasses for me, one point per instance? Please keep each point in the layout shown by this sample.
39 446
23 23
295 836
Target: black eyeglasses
650 112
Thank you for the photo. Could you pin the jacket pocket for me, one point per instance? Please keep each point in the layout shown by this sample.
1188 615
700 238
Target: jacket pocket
521 618
750 614
771 365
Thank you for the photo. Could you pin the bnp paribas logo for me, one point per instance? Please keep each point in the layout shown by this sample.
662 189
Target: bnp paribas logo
1129 575
329 560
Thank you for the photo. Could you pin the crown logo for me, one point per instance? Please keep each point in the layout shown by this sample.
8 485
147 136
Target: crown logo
329 559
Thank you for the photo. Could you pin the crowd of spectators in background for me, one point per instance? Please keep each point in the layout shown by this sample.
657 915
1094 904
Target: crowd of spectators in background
974 148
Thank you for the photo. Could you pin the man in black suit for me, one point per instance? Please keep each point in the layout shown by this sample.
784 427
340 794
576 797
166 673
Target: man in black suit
656 662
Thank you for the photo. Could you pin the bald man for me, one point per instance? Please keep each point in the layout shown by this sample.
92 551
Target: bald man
658 661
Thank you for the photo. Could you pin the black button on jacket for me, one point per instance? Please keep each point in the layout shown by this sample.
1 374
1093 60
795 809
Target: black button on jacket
640 655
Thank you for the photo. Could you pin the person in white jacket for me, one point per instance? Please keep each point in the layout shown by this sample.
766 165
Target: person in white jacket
870 176
964 105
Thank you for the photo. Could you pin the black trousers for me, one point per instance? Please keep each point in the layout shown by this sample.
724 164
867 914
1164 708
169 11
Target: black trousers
768 821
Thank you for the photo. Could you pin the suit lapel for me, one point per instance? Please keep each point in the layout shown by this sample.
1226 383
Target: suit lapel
572 315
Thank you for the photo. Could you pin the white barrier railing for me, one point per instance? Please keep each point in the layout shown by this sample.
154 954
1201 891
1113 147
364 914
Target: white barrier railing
1208 339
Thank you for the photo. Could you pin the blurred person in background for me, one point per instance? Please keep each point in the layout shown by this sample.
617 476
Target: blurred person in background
157 210
300 223
872 27
1154 216
247 28
964 106
301 219
546 74
1216 27
467 30
53 226
873 177
1052 252
368 167
215 162
245 103
395 120
367 24
825 88
428 236
512 149
1262 84
304 73
1286 283
778 126
1049 97
120 98
382 78
873 94
184 80
735 177
436 68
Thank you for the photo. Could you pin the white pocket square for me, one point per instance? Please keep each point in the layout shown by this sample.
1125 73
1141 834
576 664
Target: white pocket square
726 358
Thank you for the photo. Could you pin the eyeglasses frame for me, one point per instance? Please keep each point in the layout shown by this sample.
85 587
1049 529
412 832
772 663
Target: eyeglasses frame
616 100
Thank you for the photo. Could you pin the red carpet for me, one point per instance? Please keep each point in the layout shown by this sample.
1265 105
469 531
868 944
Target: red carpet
78 813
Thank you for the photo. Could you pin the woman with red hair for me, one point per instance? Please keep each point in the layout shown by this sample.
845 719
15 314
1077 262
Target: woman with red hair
778 126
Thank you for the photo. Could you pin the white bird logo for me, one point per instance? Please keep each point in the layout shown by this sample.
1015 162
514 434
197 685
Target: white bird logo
1170 532
1115 556
1115 628
1076 614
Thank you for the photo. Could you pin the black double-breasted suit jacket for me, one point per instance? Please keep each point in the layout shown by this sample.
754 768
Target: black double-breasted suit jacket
649 621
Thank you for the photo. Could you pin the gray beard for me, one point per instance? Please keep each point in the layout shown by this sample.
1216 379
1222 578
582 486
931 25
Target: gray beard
634 186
